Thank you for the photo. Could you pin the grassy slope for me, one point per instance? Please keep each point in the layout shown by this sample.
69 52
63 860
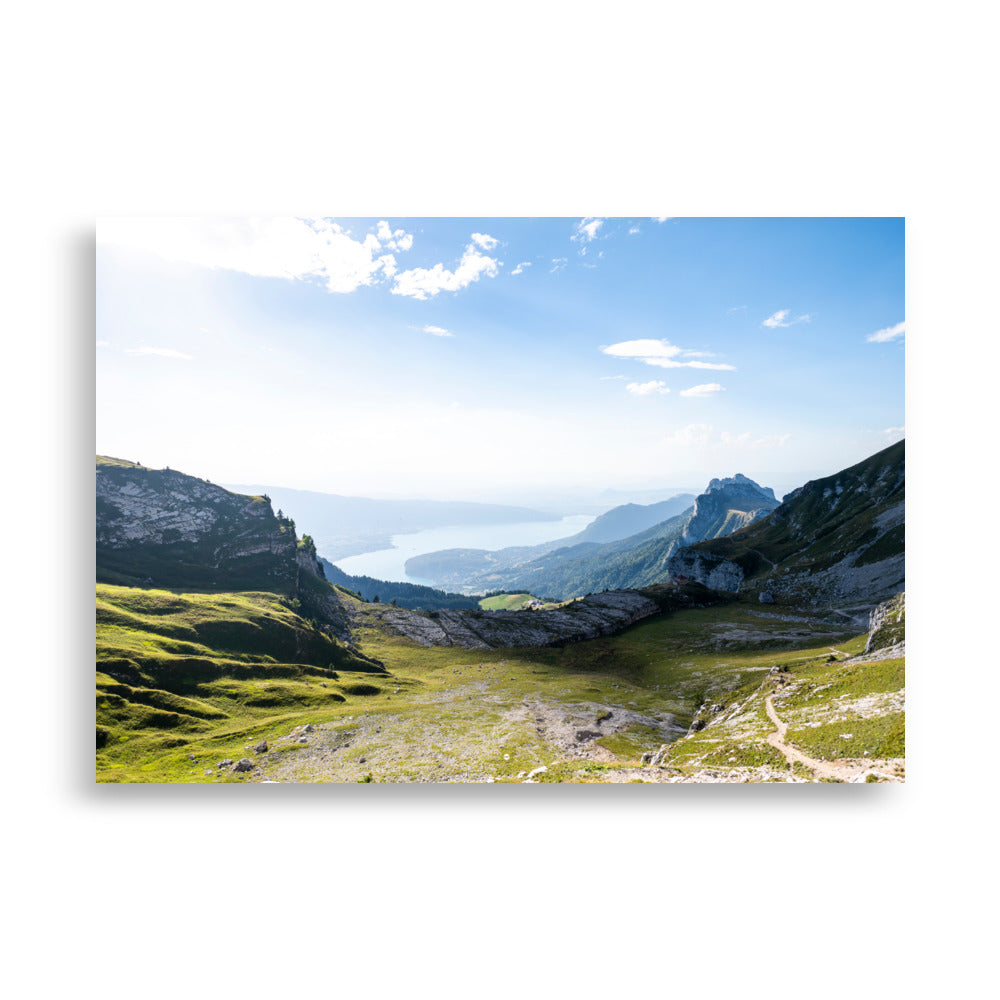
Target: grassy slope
203 674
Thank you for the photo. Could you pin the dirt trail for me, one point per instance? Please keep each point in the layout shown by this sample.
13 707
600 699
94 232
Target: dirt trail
822 768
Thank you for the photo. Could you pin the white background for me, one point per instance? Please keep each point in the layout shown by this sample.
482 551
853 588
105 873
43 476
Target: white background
527 109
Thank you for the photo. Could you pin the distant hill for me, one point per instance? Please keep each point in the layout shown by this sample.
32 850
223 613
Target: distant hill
837 539
631 518
572 567
405 595
344 526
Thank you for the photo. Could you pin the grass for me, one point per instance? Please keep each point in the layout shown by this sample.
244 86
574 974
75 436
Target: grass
505 602
186 680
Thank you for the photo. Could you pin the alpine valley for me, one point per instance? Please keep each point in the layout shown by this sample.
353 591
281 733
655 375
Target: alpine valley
717 637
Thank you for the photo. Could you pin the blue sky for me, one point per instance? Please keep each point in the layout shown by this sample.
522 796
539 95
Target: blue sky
507 358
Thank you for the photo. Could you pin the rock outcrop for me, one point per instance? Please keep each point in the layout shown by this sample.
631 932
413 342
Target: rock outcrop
887 627
585 618
588 618
162 528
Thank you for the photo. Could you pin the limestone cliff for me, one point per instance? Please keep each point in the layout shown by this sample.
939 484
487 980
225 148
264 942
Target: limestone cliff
727 505
586 618
157 527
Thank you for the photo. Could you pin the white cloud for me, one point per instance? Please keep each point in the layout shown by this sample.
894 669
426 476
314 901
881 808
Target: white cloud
558 264
484 240
770 441
694 435
747 441
520 267
159 352
633 230
264 247
398 240
612 378
894 431
662 218
708 389
889 333
438 331
586 230
780 318
647 388
660 354
424 282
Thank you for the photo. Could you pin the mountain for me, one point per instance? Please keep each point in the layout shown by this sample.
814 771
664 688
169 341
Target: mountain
158 526
344 526
839 539
631 518
456 567
639 560
726 506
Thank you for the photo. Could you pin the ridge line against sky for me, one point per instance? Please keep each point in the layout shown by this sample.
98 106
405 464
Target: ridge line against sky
499 357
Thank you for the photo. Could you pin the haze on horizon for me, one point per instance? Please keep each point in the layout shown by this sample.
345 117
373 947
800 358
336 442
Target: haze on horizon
499 359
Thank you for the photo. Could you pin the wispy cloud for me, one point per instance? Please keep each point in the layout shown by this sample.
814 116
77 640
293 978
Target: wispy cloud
889 333
265 247
437 331
708 389
780 318
558 263
706 436
633 230
158 352
662 218
647 388
520 267
692 436
484 240
660 354
426 282
586 230
613 378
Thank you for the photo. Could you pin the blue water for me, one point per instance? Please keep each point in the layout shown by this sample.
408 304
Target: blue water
387 564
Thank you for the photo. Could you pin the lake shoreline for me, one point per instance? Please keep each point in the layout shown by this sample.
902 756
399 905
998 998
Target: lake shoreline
389 563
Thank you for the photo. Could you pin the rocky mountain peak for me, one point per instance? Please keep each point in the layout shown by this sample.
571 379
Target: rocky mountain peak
726 506
741 485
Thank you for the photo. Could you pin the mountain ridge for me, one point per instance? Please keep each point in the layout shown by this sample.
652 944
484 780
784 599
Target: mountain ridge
839 538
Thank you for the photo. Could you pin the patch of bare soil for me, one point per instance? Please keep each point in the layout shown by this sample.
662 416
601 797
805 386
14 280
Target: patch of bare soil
573 729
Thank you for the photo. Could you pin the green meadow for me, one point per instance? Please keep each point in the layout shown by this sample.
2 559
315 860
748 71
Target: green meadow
185 681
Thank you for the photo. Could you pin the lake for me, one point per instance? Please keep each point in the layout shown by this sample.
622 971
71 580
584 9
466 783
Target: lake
387 564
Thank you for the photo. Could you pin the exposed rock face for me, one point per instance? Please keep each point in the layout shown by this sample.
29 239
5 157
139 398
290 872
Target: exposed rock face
718 574
726 506
164 528
834 540
306 558
588 618
887 626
